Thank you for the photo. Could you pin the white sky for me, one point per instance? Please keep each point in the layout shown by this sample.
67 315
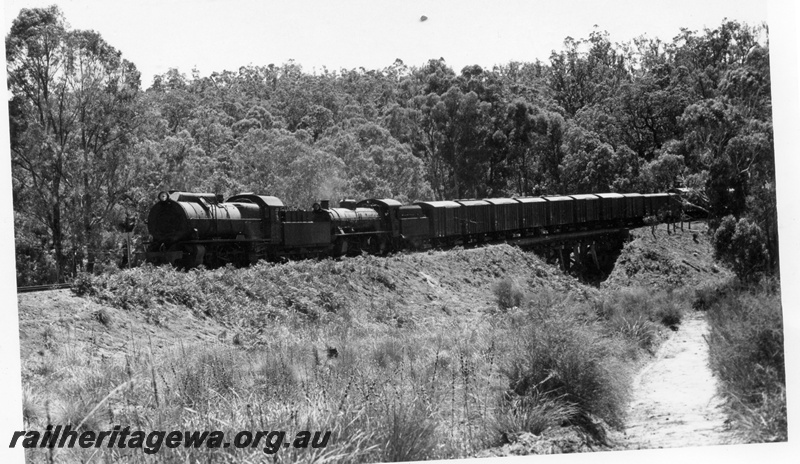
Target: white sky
214 35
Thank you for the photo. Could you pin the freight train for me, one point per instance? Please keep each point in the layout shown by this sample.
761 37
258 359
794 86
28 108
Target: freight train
192 229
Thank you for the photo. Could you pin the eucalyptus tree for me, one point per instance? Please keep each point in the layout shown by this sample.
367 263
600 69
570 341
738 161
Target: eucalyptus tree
72 118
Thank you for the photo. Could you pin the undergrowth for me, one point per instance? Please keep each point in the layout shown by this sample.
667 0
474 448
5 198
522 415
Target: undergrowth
389 386
641 314
747 352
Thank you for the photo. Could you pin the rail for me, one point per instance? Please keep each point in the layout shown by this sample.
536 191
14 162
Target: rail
42 288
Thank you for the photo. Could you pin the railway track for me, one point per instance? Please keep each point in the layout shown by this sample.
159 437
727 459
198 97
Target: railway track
42 288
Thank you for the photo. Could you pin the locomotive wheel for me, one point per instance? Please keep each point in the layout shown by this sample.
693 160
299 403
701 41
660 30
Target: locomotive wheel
193 255
340 249
377 245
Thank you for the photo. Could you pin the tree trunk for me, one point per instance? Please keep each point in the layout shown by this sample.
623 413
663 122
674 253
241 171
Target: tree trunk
525 172
58 239
88 210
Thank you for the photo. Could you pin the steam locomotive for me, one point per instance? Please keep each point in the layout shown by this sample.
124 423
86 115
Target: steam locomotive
192 229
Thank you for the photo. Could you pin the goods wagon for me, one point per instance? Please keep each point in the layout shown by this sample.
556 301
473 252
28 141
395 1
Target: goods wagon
634 205
612 207
505 215
587 208
444 218
475 217
533 213
560 211
656 204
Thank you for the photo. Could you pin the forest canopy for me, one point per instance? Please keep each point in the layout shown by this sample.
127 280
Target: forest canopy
90 146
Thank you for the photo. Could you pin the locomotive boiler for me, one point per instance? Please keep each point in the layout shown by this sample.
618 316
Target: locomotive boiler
190 229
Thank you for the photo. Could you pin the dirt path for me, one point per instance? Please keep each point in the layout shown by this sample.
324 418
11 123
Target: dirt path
675 401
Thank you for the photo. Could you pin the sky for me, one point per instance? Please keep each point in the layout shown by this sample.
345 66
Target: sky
217 35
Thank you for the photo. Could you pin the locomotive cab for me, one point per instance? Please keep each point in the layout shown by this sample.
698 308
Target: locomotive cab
387 212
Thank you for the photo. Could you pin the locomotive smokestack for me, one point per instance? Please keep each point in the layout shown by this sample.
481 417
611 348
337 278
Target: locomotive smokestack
326 204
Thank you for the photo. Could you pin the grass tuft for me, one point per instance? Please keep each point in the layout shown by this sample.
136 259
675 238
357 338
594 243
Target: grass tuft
32 409
560 357
103 316
640 314
533 413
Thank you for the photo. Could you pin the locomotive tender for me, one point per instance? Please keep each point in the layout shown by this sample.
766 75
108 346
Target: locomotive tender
190 229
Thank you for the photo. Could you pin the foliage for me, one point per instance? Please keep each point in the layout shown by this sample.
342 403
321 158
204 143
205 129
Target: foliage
533 413
741 244
645 115
663 173
310 349
561 357
73 113
509 294
640 315
747 351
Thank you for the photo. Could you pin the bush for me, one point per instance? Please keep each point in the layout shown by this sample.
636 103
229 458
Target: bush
34 266
508 294
723 238
669 306
83 285
741 245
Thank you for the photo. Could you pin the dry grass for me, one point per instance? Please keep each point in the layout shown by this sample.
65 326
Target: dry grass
565 354
388 396
389 385
641 314
747 352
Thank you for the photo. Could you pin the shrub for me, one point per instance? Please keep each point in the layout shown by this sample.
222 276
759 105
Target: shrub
508 294
34 266
723 238
83 285
742 246
669 307
670 315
